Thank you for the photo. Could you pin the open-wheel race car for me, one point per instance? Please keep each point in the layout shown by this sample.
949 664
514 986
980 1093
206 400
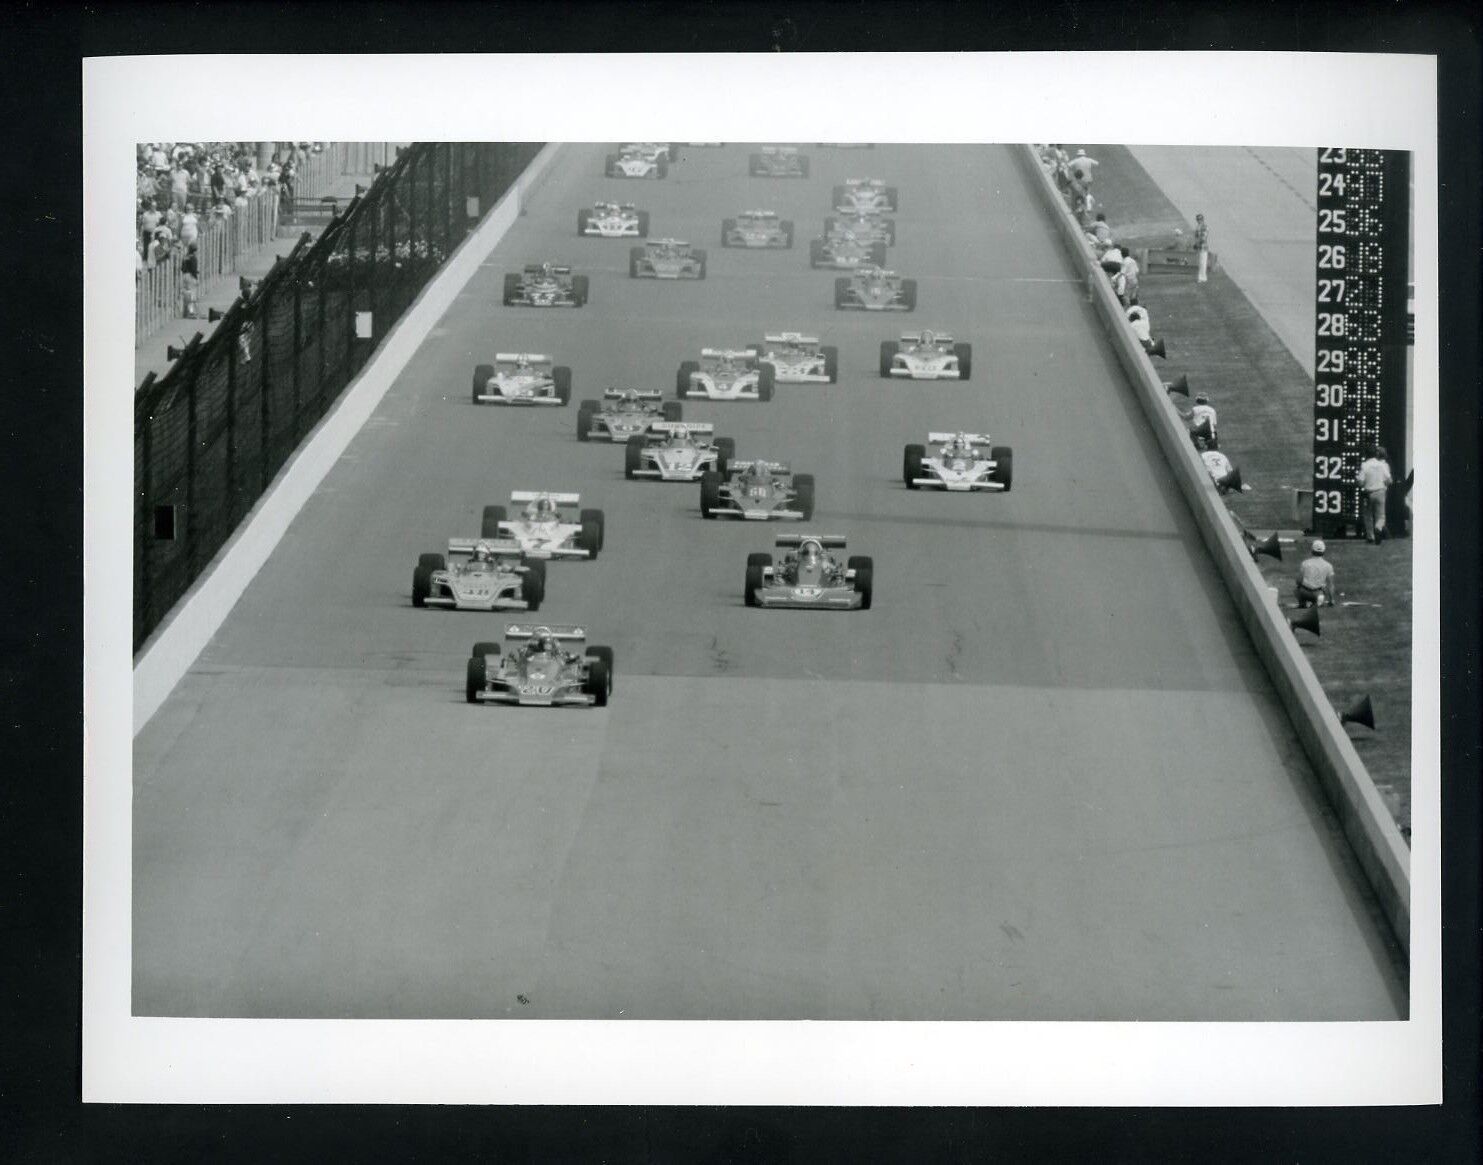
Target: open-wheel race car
845 250
479 575
669 151
868 227
725 374
623 413
677 451
865 196
549 525
798 359
757 229
875 289
778 162
960 463
634 161
522 378
926 355
545 285
542 666
811 576
757 491
666 259
613 220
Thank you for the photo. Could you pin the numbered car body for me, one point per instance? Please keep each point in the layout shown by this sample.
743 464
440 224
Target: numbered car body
666 259
545 285
674 451
522 378
757 229
867 227
478 575
810 576
546 525
799 359
613 220
875 289
926 355
865 196
778 162
959 463
844 250
621 414
721 374
542 666
758 491
635 161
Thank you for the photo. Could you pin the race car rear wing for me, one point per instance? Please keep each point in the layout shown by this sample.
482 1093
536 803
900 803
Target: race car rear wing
790 338
793 541
921 337
699 428
728 353
555 630
499 547
770 466
516 357
757 214
556 269
530 495
639 394
944 438
660 244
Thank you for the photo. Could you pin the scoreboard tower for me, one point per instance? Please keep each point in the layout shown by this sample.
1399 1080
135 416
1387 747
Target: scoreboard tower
1360 383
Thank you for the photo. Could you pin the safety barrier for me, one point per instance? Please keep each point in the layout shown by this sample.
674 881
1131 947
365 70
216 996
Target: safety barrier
1372 832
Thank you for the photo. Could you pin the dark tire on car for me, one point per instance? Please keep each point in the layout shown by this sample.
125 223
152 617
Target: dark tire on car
643 224
432 562
533 585
804 484
911 465
633 457
584 420
421 586
599 683
605 654
909 294
584 217
710 493
489 523
634 255
892 201
1003 457
580 287
589 537
682 377
756 563
602 525
841 290
474 678
661 167
699 256
484 648
865 585
878 254
888 356
512 288
831 362
964 353
727 226
725 451
816 252
766 381
610 167
482 375
672 410
562 376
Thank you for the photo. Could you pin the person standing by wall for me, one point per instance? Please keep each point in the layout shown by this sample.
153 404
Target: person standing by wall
1374 482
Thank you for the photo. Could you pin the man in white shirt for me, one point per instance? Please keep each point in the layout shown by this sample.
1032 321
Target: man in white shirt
1082 166
1112 259
1202 420
1130 272
1374 481
1138 320
1315 578
190 228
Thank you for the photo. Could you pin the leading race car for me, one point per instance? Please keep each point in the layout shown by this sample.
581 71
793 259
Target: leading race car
778 162
725 374
677 452
543 666
811 576
757 490
613 220
926 355
522 378
631 162
622 414
798 359
666 259
865 196
669 151
545 528
545 285
869 227
479 575
843 249
757 229
962 462
875 289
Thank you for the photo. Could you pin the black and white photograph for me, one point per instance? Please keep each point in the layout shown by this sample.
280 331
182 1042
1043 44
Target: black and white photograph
1017 646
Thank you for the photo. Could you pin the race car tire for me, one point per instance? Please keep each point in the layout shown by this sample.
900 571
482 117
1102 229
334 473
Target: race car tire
474 678
909 294
512 288
756 564
878 254
537 566
672 410
727 226
787 234
421 586
533 586
634 255
890 194
580 289
584 420
865 585
725 451
602 525
482 375
485 648
964 353
610 167
489 523
816 252
1003 457
804 484
831 362
562 375
661 167
633 457
589 537
766 380
911 465
841 290
754 165
699 256
606 655
432 562
599 683
888 356
584 217
682 377
643 224
710 493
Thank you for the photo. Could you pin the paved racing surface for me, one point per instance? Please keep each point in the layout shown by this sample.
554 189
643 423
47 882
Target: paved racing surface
1044 778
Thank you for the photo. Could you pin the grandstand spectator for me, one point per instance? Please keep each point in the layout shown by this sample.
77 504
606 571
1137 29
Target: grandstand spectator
1219 467
159 250
1202 420
180 186
189 281
149 220
1375 480
1130 272
1112 258
1315 578
1202 234
190 228
1138 320
218 182
1081 167
1120 287
158 162
1101 232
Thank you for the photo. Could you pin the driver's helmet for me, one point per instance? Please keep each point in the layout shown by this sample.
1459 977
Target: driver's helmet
547 268
543 643
810 551
630 396
522 362
757 471
541 509
482 552
928 338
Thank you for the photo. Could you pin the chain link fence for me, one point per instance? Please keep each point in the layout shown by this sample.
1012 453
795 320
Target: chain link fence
213 432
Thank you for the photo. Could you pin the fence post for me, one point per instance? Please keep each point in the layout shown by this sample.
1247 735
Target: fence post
260 325
298 340
191 365
232 430
350 290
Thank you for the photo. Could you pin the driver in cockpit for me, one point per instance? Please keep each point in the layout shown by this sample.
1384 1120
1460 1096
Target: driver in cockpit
810 556
957 448
542 643
540 509
483 555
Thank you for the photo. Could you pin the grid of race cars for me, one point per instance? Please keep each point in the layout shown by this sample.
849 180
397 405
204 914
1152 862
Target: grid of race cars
504 567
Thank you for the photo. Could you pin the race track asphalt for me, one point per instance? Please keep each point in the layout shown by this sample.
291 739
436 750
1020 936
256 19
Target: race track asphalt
1044 778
